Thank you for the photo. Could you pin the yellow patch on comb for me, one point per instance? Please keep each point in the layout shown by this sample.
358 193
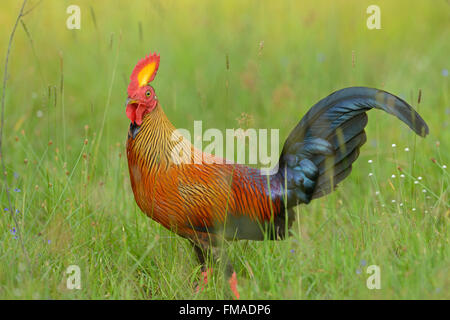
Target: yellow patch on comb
146 73
143 73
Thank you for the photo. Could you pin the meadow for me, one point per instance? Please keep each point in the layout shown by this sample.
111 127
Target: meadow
70 200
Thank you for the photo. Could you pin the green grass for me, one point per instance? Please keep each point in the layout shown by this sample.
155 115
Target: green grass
65 131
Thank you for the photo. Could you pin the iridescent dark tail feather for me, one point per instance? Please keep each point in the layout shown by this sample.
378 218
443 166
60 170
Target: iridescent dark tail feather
319 152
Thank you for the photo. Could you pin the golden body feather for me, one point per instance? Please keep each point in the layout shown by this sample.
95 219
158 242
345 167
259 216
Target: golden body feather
199 198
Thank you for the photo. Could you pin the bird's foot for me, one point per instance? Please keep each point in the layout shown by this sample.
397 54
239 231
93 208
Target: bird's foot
232 281
204 280
233 285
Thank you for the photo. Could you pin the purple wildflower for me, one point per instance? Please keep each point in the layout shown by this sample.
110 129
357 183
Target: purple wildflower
320 57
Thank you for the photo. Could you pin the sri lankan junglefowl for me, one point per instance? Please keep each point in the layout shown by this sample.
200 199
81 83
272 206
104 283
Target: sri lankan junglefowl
207 199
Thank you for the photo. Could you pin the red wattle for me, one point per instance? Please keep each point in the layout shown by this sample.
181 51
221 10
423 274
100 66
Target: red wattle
140 113
131 112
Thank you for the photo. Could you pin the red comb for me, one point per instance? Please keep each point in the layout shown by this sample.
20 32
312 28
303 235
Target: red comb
143 73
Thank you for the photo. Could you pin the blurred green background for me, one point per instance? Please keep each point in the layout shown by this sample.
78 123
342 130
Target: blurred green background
266 61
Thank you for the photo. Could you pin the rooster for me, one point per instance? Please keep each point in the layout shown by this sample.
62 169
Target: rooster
207 199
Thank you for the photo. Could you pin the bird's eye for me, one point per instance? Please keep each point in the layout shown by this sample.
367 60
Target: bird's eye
148 93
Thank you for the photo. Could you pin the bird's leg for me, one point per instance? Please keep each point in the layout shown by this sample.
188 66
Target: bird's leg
201 250
201 255
230 273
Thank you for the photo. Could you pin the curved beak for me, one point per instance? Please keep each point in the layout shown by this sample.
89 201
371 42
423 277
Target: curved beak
130 101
